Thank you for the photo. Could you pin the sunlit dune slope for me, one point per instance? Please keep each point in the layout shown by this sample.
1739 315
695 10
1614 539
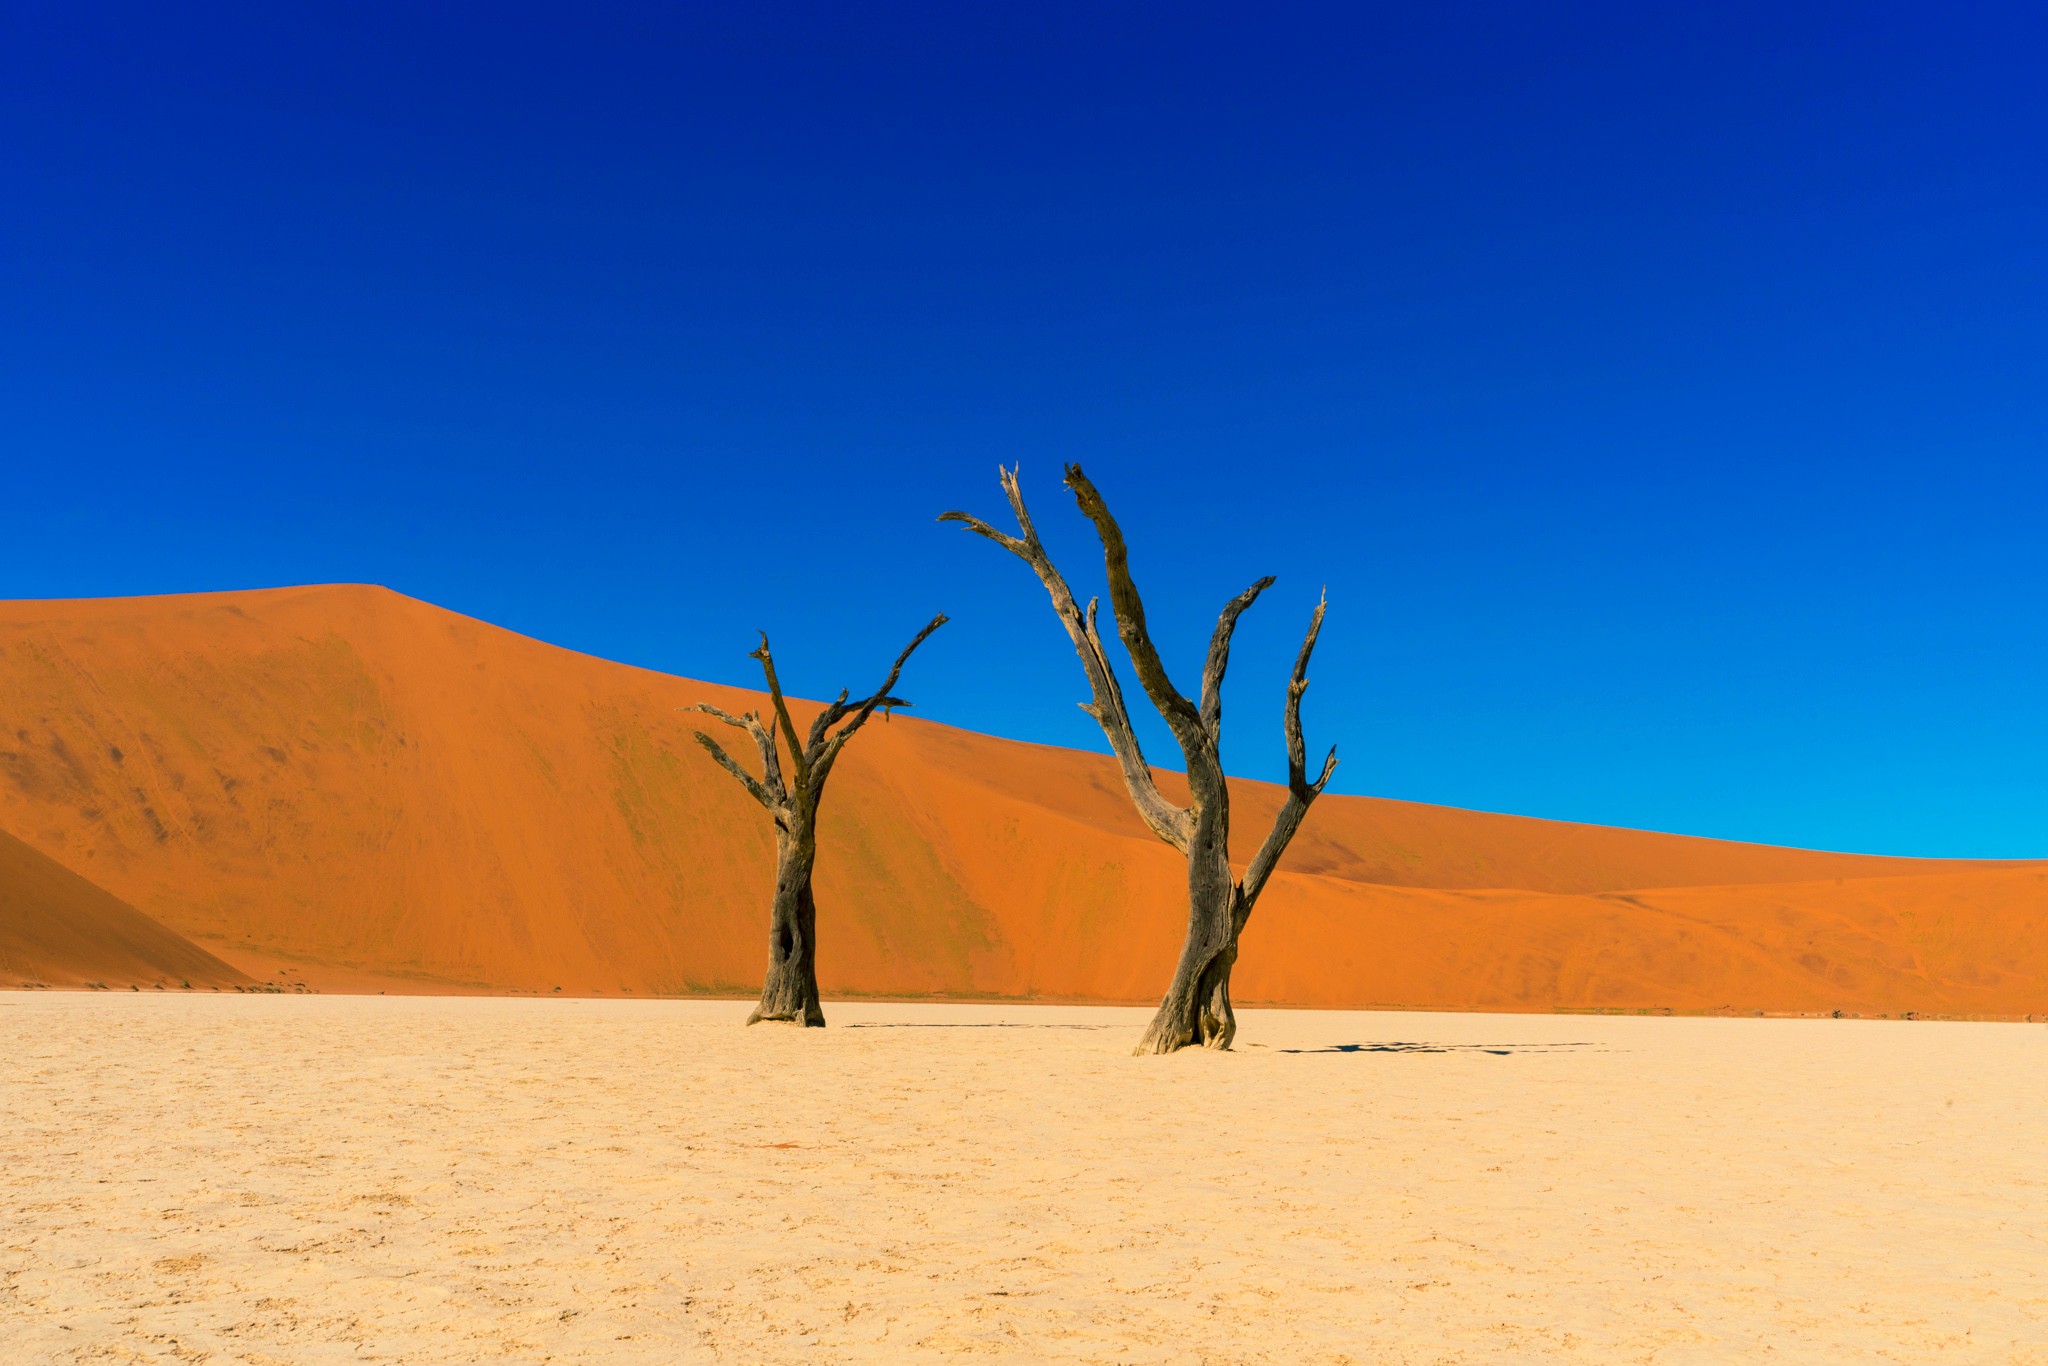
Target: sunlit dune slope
1950 943
345 778
57 929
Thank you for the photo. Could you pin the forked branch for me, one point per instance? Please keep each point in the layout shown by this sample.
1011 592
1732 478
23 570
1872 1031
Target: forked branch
764 741
1300 791
732 766
813 759
1106 703
825 720
826 754
797 758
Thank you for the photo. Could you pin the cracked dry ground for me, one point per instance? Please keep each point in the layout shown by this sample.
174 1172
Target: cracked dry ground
281 1179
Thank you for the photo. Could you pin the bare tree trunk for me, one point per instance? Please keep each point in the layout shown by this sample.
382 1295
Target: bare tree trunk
790 991
1196 1009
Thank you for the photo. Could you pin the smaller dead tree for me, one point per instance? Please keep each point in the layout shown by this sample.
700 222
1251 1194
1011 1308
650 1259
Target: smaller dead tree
791 989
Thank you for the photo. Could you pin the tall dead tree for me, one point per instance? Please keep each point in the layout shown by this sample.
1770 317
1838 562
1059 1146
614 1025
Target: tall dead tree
791 989
1196 1009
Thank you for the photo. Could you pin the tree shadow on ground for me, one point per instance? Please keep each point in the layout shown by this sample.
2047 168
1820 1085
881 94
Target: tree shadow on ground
971 1024
1497 1049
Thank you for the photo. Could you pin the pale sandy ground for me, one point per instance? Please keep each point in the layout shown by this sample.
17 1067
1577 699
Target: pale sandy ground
335 1179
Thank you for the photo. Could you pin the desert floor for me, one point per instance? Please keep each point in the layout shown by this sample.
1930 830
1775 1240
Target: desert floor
323 1179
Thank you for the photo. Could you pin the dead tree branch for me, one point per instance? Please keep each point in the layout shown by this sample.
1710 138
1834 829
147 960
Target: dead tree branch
1106 703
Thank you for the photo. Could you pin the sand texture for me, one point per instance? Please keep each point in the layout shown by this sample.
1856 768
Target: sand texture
280 1179
349 789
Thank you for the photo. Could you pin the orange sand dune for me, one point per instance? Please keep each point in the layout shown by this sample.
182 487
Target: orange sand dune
1953 943
354 782
57 929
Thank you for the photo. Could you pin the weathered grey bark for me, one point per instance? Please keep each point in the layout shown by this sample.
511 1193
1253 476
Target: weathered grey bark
790 991
1196 1008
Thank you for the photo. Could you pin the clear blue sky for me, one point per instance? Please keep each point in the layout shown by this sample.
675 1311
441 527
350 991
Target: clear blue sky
1662 391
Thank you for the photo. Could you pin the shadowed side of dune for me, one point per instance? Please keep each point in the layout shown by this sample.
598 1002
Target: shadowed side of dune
348 780
57 929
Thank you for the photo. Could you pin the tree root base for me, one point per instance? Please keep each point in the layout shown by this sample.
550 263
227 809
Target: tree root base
813 1021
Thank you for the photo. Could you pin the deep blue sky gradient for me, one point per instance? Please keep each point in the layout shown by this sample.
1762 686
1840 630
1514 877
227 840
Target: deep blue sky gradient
1662 395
